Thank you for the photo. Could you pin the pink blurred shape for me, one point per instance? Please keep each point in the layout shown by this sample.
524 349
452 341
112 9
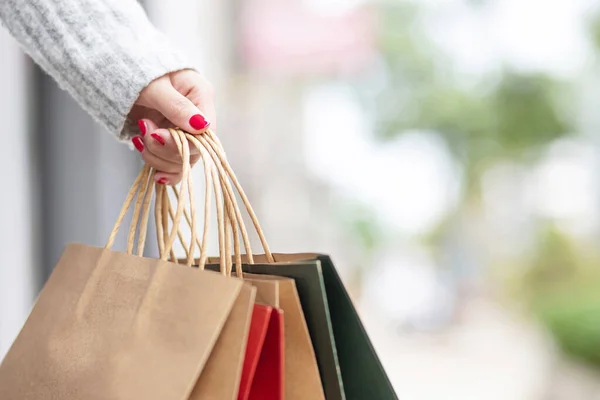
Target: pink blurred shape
287 38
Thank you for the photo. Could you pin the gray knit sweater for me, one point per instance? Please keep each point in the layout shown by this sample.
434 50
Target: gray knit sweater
103 52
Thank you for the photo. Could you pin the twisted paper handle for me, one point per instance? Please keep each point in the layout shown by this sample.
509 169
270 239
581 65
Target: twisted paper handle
141 191
208 145
164 211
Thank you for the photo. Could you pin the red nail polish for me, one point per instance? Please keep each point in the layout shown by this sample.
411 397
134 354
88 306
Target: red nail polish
162 181
198 122
137 142
142 126
158 138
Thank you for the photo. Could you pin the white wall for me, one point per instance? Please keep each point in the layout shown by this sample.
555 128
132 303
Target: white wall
17 241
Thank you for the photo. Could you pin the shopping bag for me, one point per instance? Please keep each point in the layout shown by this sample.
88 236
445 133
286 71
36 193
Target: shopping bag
261 316
309 282
302 378
112 325
262 376
221 376
268 381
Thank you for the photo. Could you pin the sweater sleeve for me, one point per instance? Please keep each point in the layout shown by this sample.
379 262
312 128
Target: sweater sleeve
103 52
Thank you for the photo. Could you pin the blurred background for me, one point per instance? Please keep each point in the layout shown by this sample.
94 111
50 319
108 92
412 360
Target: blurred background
445 153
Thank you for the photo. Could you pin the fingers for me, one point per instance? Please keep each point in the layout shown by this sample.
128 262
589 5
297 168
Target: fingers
158 149
165 178
182 112
168 172
183 99
146 125
160 142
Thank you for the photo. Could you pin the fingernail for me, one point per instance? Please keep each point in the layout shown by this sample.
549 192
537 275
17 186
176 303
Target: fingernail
158 138
142 126
137 142
198 122
162 181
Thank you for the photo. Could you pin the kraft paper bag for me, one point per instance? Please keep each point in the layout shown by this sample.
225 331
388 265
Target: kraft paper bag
112 326
221 376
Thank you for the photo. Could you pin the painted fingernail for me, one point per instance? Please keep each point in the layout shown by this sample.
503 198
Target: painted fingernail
158 138
138 143
142 126
162 181
197 121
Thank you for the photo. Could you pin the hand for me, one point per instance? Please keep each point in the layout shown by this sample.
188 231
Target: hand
181 99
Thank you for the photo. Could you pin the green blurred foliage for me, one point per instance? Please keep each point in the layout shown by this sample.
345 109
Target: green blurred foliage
593 28
573 318
555 263
563 289
360 223
510 115
362 226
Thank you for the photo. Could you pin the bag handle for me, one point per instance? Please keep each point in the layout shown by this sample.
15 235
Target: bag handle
180 142
224 216
208 144
227 172
141 191
211 180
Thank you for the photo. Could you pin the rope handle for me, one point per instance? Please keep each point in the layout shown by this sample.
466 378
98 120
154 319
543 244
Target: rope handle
209 144
216 145
212 182
225 215
141 191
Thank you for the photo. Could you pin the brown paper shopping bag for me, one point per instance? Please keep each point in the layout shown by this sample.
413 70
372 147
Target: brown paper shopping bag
222 373
108 325
115 326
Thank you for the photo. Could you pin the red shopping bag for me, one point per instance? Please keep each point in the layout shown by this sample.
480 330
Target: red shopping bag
262 374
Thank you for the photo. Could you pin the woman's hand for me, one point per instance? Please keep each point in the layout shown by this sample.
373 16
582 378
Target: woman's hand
181 99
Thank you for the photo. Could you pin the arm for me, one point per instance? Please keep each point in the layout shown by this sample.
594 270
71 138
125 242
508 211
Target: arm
103 52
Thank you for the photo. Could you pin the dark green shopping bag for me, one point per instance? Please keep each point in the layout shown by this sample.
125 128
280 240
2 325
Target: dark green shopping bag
348 363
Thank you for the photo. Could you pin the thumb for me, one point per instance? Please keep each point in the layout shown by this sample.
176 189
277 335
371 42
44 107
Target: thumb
179 109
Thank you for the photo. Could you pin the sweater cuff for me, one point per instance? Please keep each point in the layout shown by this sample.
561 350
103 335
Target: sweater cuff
141 54
161 60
